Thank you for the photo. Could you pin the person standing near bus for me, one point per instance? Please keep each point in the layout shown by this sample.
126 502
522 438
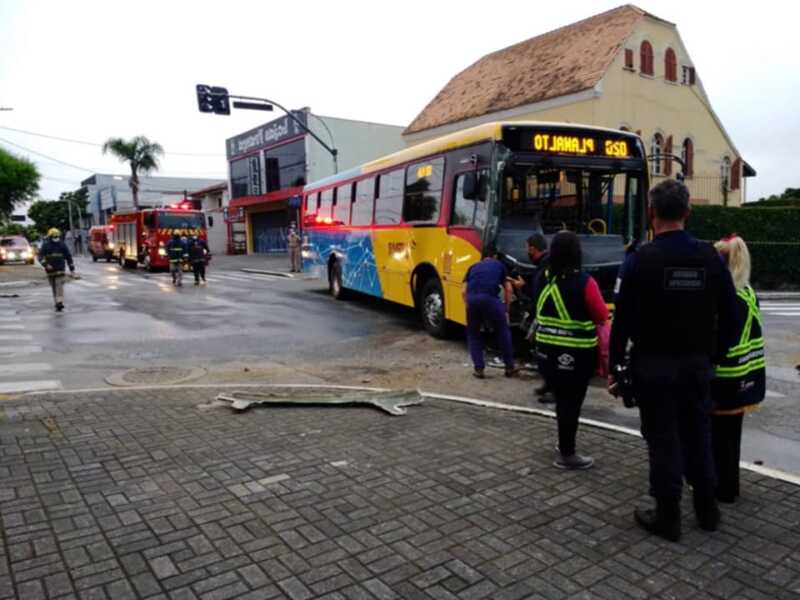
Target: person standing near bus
675 302
740 376
481 290
540 258
53 256
177 253
293 240
569 306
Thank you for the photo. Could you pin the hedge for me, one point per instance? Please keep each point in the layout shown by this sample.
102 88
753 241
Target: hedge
771 233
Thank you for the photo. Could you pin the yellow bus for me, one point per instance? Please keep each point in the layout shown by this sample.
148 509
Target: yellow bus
406 227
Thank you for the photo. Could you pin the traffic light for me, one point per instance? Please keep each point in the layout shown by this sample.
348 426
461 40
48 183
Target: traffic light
213 100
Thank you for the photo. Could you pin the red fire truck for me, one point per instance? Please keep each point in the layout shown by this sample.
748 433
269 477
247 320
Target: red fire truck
142 236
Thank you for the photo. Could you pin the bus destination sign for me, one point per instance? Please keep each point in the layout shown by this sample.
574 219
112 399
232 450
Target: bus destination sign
568 143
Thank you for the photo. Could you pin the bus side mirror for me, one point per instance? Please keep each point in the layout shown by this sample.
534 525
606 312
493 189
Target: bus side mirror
470 186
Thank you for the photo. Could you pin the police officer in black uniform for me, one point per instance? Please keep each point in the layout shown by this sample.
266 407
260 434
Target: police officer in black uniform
675 300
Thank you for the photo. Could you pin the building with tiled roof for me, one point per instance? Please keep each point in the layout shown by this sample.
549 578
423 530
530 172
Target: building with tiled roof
624 68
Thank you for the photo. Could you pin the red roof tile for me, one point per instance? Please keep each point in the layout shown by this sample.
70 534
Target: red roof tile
564 61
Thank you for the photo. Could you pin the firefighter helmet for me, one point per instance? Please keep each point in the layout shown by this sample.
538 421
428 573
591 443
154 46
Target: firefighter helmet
53 232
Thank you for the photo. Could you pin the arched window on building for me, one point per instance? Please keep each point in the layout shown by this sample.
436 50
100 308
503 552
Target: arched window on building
725 172
646 58
656 146
687 155
670 65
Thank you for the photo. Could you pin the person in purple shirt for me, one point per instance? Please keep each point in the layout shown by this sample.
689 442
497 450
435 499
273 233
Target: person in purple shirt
481 291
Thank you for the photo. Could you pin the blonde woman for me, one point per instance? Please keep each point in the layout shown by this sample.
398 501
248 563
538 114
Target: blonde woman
740 381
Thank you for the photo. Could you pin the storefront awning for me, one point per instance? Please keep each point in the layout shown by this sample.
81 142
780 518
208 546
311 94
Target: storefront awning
276 196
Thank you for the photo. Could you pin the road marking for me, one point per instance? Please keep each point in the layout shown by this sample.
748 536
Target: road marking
785 314
245 278
9 326
779 305
84 283
5 337
30 386
6 350
9 319
15 369
771 394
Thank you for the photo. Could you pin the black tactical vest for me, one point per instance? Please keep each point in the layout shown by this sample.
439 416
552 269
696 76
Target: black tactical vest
677 300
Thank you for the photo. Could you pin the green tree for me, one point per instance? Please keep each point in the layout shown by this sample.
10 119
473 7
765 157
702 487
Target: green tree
141 155
19 181
55 213
30 233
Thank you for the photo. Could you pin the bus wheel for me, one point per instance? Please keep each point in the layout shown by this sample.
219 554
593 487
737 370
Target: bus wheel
335 280
431 307
94 258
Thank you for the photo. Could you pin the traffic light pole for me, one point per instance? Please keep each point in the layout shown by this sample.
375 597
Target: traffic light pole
333 151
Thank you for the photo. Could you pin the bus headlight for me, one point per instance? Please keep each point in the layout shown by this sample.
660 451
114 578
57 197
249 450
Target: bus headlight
162 252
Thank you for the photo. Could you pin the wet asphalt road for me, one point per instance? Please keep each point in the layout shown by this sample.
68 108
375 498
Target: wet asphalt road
118 319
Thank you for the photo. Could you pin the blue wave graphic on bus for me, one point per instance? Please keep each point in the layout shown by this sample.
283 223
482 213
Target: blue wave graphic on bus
357 257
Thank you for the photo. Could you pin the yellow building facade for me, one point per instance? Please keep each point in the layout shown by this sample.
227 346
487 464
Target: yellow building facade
643 81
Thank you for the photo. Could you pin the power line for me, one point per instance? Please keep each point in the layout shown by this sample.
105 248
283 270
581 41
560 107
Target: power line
55 160
87 143
61 162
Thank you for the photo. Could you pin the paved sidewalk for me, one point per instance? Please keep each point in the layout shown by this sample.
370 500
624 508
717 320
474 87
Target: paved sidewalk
139 494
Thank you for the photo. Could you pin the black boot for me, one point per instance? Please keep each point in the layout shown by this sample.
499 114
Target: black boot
664 521
707 512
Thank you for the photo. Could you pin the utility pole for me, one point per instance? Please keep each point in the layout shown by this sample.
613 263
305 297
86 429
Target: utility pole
71 228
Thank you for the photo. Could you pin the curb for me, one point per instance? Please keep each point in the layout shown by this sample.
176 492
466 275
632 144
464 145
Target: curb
760 469
264 272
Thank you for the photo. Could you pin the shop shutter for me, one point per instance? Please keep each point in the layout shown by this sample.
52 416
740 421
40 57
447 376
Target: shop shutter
736 174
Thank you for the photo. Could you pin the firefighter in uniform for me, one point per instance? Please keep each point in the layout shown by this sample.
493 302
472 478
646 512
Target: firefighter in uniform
177 253
740 375
670 295
293 240
53 256
198 253
569 306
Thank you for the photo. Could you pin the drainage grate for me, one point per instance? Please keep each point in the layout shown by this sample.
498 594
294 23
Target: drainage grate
155 376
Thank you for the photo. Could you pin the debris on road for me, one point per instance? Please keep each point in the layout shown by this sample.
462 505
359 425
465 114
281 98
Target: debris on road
393 402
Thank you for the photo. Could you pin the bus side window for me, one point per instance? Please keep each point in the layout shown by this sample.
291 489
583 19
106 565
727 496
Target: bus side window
423 193
325 203
341 210
363 202
389 203
149 220
470 212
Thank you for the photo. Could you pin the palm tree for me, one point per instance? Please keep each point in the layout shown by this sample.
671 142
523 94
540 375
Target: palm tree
141 155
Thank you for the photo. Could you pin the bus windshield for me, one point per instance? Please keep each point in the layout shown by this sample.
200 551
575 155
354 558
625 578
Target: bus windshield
181 220
548 199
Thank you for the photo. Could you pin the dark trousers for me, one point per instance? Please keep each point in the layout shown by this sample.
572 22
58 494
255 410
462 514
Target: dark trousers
199 270
569 400
675 409
726 438
480 308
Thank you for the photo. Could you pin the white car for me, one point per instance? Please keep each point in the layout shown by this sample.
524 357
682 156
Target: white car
15 249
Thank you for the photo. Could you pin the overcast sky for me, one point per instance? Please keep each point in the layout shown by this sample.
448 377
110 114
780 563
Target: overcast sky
90 70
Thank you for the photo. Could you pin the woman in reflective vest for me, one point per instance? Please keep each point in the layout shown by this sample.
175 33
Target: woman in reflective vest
569 307
740 376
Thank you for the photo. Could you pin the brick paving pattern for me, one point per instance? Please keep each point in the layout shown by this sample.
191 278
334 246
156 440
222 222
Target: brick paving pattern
138 494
